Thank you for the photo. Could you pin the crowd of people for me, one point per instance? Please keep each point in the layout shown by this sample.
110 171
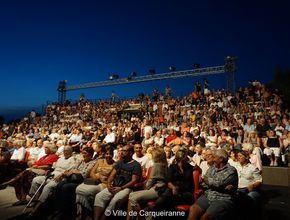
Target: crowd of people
142 153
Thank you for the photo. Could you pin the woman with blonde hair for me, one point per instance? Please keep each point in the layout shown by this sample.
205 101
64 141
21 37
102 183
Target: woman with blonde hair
155 185
180 185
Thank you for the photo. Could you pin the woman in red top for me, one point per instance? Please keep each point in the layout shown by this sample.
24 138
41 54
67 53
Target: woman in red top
22 182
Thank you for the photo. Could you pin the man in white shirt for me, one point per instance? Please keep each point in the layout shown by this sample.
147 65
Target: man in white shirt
66 162
41 145
110 137
144 161
19 152
54 135
75 139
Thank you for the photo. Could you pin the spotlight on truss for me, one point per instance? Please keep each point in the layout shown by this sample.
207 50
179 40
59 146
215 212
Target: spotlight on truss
172 68
114 76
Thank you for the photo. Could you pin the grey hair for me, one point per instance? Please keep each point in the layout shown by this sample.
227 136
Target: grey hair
211 148
223 154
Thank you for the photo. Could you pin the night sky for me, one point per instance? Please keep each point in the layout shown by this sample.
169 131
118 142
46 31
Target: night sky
45 41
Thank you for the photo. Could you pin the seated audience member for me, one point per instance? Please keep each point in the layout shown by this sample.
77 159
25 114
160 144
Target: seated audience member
110 137
168 153
231 154
239 139
147 141
18 155
208 154
99 150
197 157
60 147
225 139
75 139
211 139
155 185
178 140
144 161
273 147
85 192
255 154
158 139
65 195
34 153
250 179
180 186
4 160
4 153
22 181
125 175
67 162
171 136
254 139
218 200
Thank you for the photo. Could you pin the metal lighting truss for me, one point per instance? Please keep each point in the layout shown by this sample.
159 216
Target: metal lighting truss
63 88
139 79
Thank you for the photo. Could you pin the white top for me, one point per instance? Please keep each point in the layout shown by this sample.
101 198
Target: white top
148 129
144 161
54 136
59 151
63 164
41 153
34 152
75 138
159 141
204 167
196 159
248 174
18 154
110 138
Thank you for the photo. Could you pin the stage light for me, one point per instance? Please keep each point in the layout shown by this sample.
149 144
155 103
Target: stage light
114 76
172 68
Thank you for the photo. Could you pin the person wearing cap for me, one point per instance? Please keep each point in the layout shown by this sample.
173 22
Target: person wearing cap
22 181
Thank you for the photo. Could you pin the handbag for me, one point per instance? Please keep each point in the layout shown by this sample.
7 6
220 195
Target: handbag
75 178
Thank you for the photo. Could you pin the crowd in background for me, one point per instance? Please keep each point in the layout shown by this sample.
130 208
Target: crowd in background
252 126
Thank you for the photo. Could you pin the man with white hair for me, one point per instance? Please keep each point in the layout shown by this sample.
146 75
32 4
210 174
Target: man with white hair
19 152
60 147
66 162
218 200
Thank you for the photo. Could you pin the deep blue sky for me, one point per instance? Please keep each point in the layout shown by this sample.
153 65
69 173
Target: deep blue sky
44 41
